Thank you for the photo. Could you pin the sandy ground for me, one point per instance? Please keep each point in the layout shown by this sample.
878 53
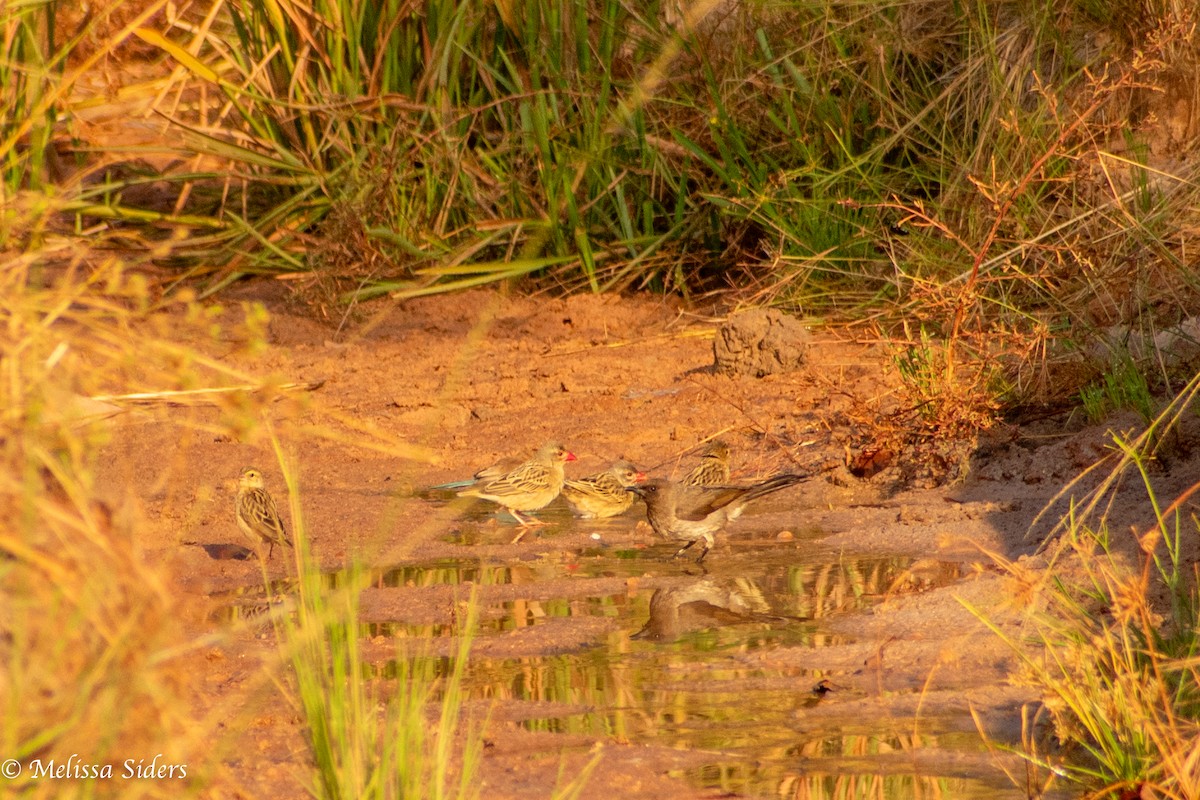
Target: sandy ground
858 582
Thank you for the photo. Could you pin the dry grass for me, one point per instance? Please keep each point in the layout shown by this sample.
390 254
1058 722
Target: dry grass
1114 618
103 657
96 658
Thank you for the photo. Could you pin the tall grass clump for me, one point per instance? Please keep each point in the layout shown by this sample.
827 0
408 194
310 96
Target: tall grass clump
1115 638
963 164
423 139
95 659
983 172
976 171
371 738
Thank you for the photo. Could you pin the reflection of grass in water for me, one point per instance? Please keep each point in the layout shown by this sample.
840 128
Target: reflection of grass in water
696 692
811 589
799 781
448 572
822 589
618 673
670 696
692 693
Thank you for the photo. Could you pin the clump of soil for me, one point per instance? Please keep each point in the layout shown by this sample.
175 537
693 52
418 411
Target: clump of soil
760 342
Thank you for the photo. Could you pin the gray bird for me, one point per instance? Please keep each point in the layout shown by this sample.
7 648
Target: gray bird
603 494
257 516
713 469
695 513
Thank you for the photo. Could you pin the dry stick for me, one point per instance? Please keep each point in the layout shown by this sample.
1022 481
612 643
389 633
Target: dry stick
754 423
680 453
173 396
980 253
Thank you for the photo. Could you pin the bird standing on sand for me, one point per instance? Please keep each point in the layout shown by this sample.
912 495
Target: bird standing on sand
695 513
257 516
529 486
603 494
713 469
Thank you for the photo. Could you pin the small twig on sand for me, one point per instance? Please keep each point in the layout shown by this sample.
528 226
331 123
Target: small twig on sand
183 396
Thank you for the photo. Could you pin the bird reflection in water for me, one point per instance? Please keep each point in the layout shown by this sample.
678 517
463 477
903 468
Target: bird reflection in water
703 604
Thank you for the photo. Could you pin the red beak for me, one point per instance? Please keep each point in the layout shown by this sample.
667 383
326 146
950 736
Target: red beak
570 457
641 476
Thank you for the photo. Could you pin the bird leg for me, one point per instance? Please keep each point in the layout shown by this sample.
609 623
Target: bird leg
703 553
683 549
526 522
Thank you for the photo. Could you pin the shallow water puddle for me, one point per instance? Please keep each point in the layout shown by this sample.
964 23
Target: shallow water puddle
776 582
666 658
633 645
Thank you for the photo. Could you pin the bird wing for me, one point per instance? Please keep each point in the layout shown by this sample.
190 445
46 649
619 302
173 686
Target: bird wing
529 477
498 470
711 471
603 486
259 507
699 502
490 473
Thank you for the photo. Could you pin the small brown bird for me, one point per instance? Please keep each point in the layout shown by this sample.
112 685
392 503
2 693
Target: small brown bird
257 516
713 469
696 513
528 487
603 494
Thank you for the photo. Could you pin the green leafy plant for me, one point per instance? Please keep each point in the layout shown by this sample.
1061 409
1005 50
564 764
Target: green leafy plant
1123 387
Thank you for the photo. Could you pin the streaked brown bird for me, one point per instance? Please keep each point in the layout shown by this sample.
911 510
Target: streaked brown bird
603 494
529 486
695 513
713 469
497 470
257 516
